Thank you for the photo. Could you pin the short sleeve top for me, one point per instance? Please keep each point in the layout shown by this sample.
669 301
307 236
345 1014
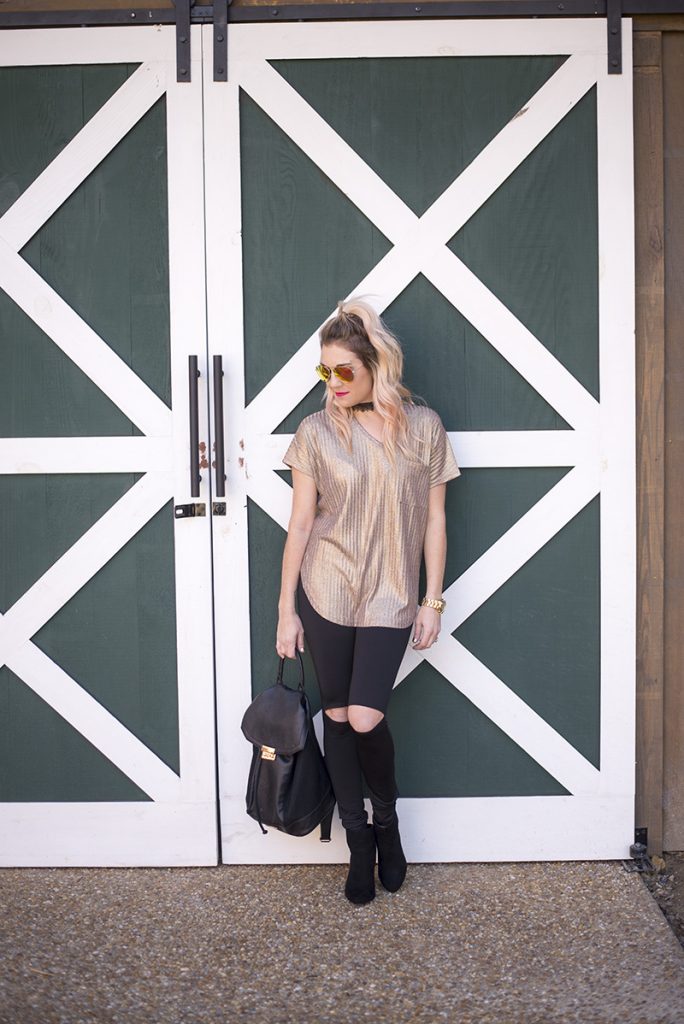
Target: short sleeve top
361 566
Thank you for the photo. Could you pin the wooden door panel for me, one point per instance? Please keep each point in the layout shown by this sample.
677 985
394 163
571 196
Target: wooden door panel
489 175
106 674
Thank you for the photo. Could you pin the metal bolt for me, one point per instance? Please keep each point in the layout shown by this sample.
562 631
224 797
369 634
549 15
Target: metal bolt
275 12
614 62
183 39
183 71
220 71
219 39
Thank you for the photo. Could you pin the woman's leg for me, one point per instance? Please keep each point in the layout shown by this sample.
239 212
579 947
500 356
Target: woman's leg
378 653
332 652
377 656
342 759
376 756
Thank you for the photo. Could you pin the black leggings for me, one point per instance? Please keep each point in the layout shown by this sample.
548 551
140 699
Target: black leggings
356 665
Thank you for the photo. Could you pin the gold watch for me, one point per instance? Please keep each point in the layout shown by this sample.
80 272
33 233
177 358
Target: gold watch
434 602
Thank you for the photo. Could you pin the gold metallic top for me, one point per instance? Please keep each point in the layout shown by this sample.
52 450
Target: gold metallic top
361 566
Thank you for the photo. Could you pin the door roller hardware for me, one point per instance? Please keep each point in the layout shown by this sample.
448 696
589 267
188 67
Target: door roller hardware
183 39
197 508
185 13
218 508
220 19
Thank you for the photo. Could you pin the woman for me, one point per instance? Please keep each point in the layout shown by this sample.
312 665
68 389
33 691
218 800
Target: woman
369 475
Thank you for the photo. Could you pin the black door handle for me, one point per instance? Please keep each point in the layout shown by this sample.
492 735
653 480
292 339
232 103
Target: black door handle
219 454
193 375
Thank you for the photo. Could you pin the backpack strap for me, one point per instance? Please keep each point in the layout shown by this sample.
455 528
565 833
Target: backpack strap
326 825
256 794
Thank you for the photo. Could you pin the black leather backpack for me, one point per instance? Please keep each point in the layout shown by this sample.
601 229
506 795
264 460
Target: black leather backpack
288 786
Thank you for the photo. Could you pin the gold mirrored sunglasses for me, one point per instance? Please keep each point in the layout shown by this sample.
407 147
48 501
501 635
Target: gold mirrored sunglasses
344 373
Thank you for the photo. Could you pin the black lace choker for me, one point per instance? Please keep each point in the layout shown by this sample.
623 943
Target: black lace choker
363 406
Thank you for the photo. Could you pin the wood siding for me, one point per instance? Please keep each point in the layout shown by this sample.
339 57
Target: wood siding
650 355
673 704
659 243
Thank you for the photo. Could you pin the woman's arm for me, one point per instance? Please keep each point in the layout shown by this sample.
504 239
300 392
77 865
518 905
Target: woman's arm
435 544
304 497
428 620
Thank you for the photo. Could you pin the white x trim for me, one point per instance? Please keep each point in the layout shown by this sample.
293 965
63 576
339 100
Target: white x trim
155 454
419 243
82 154
420 247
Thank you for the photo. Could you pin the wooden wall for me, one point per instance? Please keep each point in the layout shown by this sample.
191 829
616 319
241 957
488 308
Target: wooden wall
673 704
650 413
659 186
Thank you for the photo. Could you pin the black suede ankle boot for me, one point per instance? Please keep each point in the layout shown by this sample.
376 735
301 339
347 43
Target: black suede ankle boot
391 859
360 884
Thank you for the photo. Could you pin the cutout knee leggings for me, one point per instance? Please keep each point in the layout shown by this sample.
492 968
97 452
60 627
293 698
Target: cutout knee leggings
356 665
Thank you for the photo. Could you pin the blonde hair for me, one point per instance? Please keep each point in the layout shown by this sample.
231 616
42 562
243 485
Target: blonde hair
357 327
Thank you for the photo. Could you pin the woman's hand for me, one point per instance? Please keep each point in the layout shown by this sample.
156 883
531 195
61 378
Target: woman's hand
425 628
290 632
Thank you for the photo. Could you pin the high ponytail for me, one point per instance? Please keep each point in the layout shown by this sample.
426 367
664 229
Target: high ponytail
356 326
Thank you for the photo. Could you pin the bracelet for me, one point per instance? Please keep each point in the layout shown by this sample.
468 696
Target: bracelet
434 602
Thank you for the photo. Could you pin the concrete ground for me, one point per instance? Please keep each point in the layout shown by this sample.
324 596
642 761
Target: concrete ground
518 943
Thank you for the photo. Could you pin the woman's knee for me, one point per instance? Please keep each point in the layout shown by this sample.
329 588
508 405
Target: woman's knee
337 714
363 719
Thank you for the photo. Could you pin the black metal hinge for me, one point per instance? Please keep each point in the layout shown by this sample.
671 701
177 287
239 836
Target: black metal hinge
220 20
614 27
183 39
219 17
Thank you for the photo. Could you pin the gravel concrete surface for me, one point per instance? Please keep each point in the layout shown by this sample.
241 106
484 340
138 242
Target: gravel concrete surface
515 943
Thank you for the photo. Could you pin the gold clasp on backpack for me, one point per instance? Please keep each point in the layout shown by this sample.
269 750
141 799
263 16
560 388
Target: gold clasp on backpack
268 753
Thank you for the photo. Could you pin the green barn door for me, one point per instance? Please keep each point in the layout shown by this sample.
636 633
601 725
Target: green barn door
106 676
474 180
